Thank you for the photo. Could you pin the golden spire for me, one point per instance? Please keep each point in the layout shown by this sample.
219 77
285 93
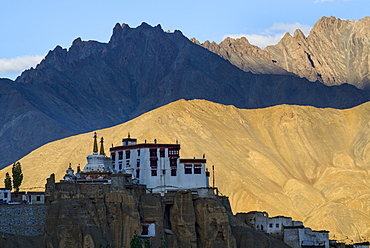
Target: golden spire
95 149
128 136
102 146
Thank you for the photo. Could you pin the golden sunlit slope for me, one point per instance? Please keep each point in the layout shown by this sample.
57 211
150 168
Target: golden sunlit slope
308 163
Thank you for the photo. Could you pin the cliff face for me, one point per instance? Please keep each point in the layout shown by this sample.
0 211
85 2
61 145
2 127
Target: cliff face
245 56
335 52
112 218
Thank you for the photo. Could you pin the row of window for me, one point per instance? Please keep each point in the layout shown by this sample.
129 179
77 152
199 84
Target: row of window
173 171
188 168
277 225
153 153
270 226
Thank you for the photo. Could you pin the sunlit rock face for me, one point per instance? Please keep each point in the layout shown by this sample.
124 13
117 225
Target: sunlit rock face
335 52
308 163
245 56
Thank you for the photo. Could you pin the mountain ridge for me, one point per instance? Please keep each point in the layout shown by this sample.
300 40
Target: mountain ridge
286 160
94 85
335 52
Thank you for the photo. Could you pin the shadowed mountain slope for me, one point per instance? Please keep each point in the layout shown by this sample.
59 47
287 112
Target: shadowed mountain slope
94 85
309 163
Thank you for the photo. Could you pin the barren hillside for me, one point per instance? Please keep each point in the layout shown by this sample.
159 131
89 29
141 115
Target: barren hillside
309 163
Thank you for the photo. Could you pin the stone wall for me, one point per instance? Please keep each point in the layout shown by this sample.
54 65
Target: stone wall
26 220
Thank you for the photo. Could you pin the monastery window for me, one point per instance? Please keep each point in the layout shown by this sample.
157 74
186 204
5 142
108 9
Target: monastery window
173 162
153 163
148 229
114 165
188 168
113 156
38 198
153 152
154 172
161 153
270 225
173 171
277 225
138 153
127 163
173 152
137 173
120 165
128 154
120 155
138 163
197 169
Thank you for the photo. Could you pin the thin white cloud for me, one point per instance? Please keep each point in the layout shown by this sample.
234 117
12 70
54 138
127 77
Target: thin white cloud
288 27
272 35
261 41
19 64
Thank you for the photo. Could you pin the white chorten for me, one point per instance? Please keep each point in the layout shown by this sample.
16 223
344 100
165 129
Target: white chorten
96 162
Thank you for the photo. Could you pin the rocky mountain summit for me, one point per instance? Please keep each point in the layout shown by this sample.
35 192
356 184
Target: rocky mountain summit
335 52
244 55
94 85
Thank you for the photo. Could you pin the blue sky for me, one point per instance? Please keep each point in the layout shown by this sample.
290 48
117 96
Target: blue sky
29 29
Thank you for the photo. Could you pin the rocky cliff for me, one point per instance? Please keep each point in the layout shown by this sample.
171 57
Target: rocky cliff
335 52
308 163
245 56
109 217
94 85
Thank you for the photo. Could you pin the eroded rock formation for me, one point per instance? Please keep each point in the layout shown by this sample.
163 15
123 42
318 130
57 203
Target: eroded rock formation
106 217
335 52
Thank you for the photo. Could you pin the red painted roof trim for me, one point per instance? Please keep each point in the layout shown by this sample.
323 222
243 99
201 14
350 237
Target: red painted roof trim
145 145
190 160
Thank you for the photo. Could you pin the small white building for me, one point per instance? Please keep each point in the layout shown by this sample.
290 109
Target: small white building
298 237
5 195
291 232
271 225
148 229
34 198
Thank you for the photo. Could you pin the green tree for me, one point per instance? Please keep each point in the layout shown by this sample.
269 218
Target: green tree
8 181
136 241
17 176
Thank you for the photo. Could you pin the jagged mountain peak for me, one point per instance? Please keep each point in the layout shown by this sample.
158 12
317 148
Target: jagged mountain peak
335 52
328 23
244 55
140 69
298 34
